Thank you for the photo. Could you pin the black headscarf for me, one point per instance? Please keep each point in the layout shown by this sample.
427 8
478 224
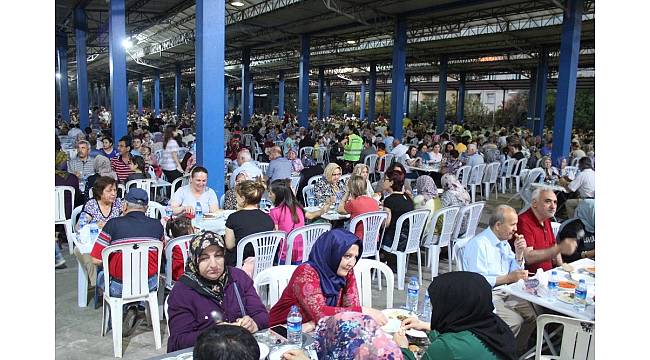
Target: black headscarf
462 301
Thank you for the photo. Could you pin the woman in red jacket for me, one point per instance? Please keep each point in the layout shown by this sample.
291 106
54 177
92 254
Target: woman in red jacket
325 285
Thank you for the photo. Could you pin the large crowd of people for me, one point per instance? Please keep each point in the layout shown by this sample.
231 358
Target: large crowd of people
472 317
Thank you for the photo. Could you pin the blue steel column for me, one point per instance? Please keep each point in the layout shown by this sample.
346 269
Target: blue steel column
407 89
328 98
210 50
460 101
540 92
442 95
251 97
140 96
177 90
399 69
372 93
321 85
362 100
156 93
245 78
117 66
62 54
80 28
281 94
566 82
303 82
531 99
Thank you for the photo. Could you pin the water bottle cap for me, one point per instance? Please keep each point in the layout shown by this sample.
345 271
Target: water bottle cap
553 272
582 281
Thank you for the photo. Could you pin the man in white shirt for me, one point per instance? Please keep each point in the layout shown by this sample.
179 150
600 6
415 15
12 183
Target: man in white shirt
473 157
399 149
247 165
584 184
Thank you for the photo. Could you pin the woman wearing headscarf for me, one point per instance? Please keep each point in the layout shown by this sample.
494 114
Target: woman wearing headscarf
583 229
102 166
463 324
209 288
325 284
350 336
427 198
454 193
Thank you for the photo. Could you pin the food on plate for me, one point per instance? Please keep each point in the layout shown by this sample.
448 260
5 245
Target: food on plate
591 269
567 285
402 317
567 267
414 348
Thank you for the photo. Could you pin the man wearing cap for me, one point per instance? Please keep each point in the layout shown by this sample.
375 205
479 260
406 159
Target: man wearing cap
133 227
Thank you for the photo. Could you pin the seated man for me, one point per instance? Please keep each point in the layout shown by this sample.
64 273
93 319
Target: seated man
121 164
246 164
134 226
279 167
584 185
490 255
82 165
473 157
535 225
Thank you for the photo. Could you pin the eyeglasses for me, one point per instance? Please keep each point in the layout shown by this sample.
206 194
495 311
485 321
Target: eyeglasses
335 174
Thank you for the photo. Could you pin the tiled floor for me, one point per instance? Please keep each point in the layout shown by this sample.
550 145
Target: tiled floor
78 329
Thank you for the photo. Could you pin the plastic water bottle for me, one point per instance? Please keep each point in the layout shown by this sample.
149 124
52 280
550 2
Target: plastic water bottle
580 297
82 221
311 201
294 327
94 229
198 211
426 309
553 284
412 295
168 211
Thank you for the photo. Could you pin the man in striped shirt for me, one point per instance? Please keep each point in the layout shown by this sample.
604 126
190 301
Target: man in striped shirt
133 227
121 164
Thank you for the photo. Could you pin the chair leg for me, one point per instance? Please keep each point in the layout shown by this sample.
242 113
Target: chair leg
377 272
435 261
105 318
154 318
116 322
401 270
449 249
473 192
420 266
487 191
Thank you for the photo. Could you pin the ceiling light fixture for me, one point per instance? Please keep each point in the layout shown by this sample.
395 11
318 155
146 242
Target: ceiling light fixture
127 44
351 42
237 3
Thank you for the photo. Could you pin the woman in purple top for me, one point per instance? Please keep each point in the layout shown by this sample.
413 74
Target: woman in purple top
207 288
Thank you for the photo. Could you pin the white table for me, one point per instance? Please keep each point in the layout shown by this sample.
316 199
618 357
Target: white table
84 242
425 168
517 289
160 183
216 224
555 188
330 216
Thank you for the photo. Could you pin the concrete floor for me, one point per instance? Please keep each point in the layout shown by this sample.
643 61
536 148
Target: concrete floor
78 330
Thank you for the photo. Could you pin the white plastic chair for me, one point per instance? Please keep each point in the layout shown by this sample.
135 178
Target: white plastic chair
70 232
321 155
183 180
155 210
578 338
310 233
307 191
490 177
516 172
158 155
362 273
571 171
458 252
265 245
507 168
372 231
434 243
417 220
184 243
312 180
263 166
276 278
539 161
295 182
475 179
59 209
144 184
473 214
344 178
135 288
531 176
384 162
371 162
556 227
247 140
575 161
462 174
309 150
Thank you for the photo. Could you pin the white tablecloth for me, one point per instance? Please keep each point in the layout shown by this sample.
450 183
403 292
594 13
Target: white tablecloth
517 289
330 216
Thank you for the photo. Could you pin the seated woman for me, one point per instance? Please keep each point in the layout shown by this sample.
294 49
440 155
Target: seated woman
249 219
139 169
396 204
463 325
427 198
209 287
288 215
410 159
357 202
550 174
362 170
452 163
230 199
102 167
295 162
197 191
329 184
325 285
176 227
583 229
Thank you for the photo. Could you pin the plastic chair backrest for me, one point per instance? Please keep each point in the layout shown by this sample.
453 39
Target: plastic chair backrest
158 155
309 235
458 253
135 267
417 220
556 227
462 174
533 176
362 273
307 191
344 178
277 278
144 184
59 201
491 172
372 230
578 337
309 150
571 171
295 182
575 161
539 161
476 175
371 162
449 215
184 180
508 167
155 210
265 245
263 166
473 212
184 243
312 180
519 166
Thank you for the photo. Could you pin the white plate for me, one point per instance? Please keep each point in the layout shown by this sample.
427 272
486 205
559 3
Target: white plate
394 323
276 354
567 297
589 280
416 333
264 350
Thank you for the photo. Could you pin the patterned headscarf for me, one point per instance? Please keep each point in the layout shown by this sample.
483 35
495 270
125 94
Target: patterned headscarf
426 187
192 277
59 160
450 183
353 335
102 166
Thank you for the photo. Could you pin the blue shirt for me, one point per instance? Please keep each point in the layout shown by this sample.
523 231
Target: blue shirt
279 168
487 255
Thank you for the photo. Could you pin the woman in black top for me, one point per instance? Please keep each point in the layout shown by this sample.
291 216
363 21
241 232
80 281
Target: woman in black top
246 221
139 169
396 204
